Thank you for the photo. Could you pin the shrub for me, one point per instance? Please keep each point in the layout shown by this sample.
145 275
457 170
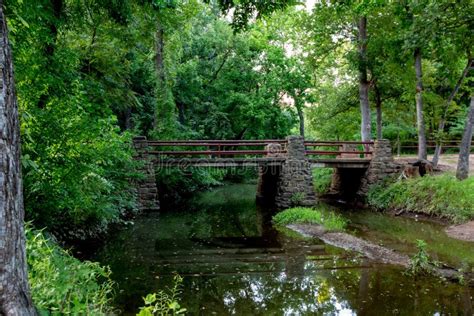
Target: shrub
305 215
63 285
77 167
443 196
322 178
421 262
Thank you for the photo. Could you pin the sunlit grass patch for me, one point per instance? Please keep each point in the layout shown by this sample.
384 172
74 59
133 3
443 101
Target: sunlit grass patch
304 215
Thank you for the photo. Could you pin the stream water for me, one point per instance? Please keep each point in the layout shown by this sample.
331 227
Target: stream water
233 262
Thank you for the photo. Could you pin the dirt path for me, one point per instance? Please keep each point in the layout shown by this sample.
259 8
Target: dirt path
462 232
447 162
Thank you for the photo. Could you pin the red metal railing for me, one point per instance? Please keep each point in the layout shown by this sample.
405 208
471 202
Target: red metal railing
218 148
364 148
215 148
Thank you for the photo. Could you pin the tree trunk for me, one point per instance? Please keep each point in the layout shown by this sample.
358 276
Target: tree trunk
160 70
15 296
299 109
159 57
57 7
462 171
399 145
420 121
442 123
378 107
181 115
363 82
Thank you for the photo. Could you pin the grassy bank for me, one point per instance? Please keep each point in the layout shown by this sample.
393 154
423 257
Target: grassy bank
304 215
443 196
63 285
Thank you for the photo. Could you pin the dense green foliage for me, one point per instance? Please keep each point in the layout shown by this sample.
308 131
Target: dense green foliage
63 285
325 40
303 215
443 196
101 76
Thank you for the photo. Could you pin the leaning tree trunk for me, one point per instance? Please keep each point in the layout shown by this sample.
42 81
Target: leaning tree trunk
420 121
365 125
442 123
15 296
465 150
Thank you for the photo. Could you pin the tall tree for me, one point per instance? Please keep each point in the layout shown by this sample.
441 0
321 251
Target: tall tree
365 125
462 171
420 121
15 296
442 122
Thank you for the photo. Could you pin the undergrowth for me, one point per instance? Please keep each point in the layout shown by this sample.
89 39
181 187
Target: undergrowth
63 285
322 178
304 215
443 196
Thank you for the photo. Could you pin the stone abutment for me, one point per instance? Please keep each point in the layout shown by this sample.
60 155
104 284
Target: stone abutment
146 187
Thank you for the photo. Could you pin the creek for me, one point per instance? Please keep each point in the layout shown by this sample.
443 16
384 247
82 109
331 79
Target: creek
233 262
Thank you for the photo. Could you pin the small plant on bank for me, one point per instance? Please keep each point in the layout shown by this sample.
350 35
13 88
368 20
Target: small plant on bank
421 262
297 198
163 303
304 215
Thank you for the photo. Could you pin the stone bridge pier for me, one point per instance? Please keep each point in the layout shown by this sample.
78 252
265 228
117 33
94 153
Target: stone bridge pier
146 187
291 183
353 183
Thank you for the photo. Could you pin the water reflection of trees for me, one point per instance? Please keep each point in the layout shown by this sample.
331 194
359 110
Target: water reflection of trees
365 292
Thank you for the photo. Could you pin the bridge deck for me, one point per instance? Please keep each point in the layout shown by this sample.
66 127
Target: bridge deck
256 162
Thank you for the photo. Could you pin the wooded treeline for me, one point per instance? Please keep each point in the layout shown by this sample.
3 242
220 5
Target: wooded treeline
91 74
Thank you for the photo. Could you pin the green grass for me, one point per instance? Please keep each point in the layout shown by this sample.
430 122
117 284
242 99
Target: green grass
443 196
322 179
304 215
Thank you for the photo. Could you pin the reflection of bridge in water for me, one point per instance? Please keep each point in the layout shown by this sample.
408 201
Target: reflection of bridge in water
285 176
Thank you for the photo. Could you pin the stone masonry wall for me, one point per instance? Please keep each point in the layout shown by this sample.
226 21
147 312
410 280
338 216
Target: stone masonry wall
147 190
381 166
295 182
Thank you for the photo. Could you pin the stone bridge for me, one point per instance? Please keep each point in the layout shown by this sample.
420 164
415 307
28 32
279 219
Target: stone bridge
284 166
